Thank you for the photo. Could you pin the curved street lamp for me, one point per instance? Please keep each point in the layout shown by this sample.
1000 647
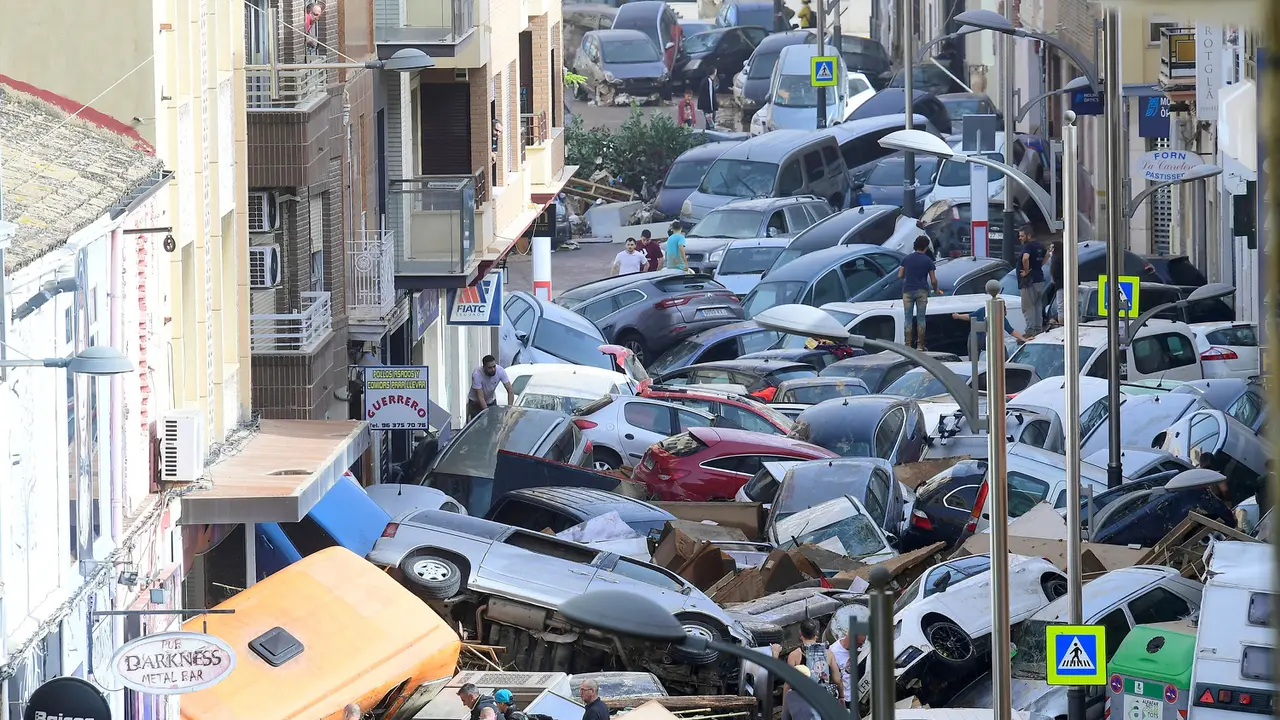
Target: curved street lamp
994 21
966 30
919 141
1078 83
1199 172
99 360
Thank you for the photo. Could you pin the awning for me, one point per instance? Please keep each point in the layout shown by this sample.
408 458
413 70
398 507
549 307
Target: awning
544 194
1238 129
279 474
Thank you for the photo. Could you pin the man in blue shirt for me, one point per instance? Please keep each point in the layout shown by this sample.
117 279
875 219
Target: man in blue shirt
981 316
1031 280
676 258
917 273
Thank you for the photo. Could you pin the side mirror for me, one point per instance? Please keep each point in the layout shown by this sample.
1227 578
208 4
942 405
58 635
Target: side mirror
670 45
943 582
523 337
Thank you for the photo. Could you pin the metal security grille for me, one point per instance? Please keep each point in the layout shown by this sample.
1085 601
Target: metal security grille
1160 208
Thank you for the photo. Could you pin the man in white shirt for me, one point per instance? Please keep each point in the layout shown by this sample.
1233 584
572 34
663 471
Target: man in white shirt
484 386
628 261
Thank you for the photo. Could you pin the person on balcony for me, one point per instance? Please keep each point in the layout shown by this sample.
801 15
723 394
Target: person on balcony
311 19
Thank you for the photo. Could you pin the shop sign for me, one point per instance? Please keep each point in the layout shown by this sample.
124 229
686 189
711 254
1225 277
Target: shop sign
1153 121
1167 165
426 308
479 304
397 397
67 698
173 663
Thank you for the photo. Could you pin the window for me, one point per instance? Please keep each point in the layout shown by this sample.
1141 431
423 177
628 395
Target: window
317 271
723 350
755 342
878 327
1156 606
813 165
875 231
832 159
648 417
777 224
562 450
1155 24
1117 627
1036 434
827 289
598 310
1158 353
746 420
859 274
628 298
818 210
1255 663
1239 335
518 513
1260 609
797 220
1100 367
711 376
790 181
523 322
1061 502
542 544
885 262
962 498
744 464
1025 492
306 536
888 431
1203 435
633 570
686 419
1092 417
877 498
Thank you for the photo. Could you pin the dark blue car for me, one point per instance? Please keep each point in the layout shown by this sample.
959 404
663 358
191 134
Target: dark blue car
686 173
727 342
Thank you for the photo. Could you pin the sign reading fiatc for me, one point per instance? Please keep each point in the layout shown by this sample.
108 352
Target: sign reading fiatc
173 663
397 397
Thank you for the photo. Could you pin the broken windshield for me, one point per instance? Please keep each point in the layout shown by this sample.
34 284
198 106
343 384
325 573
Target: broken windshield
839 525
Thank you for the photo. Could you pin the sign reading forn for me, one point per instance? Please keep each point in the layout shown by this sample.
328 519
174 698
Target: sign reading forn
173 663
1167 165
397 397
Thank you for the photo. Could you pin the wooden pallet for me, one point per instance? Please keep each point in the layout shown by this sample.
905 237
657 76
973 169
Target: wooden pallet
1183 547
595 191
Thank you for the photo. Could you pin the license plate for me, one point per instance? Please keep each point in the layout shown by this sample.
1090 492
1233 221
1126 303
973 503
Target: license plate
648 462
714 312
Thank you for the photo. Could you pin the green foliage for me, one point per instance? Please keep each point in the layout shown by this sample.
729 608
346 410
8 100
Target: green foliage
642 149
573 79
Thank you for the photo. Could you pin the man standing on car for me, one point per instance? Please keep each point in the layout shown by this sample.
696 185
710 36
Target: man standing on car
707 102
484 386
482 707
917 272
1031 280
595 709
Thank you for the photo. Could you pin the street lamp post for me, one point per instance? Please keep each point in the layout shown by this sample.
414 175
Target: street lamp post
1113 100
1078 83
1071 421
1001 678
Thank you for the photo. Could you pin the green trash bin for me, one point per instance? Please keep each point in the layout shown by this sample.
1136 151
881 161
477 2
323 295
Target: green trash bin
1150 674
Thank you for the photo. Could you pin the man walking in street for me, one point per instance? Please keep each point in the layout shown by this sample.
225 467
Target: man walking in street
917 272
1031 280
676 259
651 249
595 709
707 101
484 386
482 707
628 261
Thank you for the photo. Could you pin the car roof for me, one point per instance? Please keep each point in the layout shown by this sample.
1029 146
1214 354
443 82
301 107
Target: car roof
759 242
955 269
815 382
808 266
794 59
764 203
771 146
858 403
713 436
725 331
783 39
617 282
591 502
1103 592
865 125
762 365
844 221
710 150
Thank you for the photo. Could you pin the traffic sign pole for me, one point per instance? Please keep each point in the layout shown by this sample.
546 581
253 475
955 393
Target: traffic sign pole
822 50
1071 319
998 494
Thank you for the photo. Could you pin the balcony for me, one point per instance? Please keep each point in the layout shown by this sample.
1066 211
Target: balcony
533 129
371 271
441 238
430 22
299 332
1178 56
295 89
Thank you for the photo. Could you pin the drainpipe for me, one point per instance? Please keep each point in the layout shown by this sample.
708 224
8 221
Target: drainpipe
118 433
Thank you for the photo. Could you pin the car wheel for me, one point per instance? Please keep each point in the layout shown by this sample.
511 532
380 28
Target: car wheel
603 459
950 643
1054 587
697 628
765 633
435 577
635 343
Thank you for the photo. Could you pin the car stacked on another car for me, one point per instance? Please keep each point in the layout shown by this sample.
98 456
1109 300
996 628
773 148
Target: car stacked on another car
727 342
730 409
760 377
749 219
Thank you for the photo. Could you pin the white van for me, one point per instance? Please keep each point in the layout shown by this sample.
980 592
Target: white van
1162 350
882 320
792 103
1233 672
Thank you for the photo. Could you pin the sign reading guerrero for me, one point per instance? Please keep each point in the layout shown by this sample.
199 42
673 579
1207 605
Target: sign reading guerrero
396 397
173 663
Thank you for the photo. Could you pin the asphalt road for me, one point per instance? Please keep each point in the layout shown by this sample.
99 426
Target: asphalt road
569 268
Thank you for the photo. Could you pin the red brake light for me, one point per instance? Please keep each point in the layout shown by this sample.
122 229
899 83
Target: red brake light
1219 353
920 520
586 449
726 294
972 525
390 530
766 394
584 424
672 302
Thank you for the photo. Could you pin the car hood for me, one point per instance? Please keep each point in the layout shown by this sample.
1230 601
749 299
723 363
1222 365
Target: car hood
740 284
702 203
670 199
705 244
636 71
792 118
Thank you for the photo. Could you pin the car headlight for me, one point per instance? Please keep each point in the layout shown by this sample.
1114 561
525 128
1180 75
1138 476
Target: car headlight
715 256
608 77
686 210
693 65
908 656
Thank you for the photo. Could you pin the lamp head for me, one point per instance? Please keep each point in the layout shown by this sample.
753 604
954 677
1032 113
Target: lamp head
986 20
1211 291
918 141
1201 172
99 360
623 613
408 60
1077 83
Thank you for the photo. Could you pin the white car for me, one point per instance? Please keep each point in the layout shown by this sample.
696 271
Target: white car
582 375
1161 350
621 427
1228 349
743 262
952 182
941 619
569 391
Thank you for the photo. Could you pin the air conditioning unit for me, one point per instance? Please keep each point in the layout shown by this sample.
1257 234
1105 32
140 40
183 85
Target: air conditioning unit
264 215
181 446
264 266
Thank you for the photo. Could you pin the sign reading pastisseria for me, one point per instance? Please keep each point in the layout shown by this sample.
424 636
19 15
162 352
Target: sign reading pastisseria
397 397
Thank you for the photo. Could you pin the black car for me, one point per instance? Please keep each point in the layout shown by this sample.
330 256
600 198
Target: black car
930 78
883 426
959 104
1177 270
759 376
866 56
943 506
892 100
879 370
1153 294
881 180
950 224
818 357
560 508
725 49
1092 261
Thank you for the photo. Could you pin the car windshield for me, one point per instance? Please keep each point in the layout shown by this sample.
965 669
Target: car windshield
473 452
956 174
1028 661
889 171
736 224
799 494
699 43
846 440
676 357
836 525
767 295
916 384
1048 358
748 260
686 174
814 394
762 65
957 109
797 91
570 344
628 52
739 178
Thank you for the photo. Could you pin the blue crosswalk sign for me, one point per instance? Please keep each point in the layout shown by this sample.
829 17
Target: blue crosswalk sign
1130 288
1073 656
822 72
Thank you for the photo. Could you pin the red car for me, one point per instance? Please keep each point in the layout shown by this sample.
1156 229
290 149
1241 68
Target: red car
713 463
738 410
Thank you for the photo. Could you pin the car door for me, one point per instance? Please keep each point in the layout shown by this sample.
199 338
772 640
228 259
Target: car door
546 569
797 219
644 422
617 572
828 288
518 320
888 432
895 504
1168 355
859 274
730 53
615 318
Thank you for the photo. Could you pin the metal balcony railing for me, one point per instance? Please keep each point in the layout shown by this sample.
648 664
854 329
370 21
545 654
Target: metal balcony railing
371 269
1178 56
430 21
442 218
294 89
297 332
533 128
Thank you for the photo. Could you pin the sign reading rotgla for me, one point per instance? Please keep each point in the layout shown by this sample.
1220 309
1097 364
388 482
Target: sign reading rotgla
173 663
397 398
479 304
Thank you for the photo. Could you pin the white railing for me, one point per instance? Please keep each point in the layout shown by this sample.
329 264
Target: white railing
294 88
371 263
297 332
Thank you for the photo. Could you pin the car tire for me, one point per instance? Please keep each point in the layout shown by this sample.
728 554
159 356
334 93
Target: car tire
635 343
603 459
434 577
700 628
951 644
1054 586
765 633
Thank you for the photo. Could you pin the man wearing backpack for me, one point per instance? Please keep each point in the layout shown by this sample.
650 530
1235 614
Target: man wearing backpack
817 657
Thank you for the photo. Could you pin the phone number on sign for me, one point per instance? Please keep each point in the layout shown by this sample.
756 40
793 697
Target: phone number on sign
399 426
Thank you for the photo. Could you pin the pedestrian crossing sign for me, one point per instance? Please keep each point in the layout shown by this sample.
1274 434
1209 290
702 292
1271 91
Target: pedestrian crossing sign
1129 287
1075 655
822 72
